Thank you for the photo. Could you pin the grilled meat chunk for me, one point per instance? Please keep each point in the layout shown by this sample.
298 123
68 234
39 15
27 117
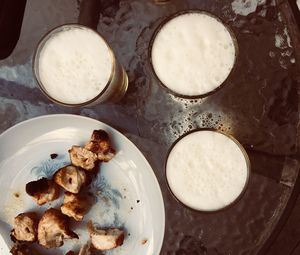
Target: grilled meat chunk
71 178
83 158
100 145
53 229
75 205
105 239
98 148
105 157
42 190
25 227
99 142
23 249
101 136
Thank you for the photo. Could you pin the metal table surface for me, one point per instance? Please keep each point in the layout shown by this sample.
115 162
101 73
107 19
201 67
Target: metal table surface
259 105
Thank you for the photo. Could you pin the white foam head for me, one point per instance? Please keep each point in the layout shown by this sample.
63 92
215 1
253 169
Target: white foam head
74 65
193 54
206 170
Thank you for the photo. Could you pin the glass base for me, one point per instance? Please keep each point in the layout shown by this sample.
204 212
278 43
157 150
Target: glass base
120 92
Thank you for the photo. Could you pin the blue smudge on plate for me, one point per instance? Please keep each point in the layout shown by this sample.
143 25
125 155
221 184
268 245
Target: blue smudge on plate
48 167
104 191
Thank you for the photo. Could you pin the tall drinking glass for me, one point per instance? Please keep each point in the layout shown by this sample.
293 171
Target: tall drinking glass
74 66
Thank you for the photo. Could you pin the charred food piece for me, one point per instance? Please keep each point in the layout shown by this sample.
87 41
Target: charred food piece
105 239
53 229
42 190
23 249
83 158
101 145
99 142
105 157
71 178
75 205
25 227
70 253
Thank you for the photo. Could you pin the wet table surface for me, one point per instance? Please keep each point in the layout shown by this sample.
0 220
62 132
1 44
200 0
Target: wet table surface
258 105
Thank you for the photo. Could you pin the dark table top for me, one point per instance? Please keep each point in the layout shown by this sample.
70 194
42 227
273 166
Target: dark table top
259 105
288 241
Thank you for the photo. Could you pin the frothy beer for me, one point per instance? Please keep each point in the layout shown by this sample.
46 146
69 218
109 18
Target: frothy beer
193 54
74 65
207 170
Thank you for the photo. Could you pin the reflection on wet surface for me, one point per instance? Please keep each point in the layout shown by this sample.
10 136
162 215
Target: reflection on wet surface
258 105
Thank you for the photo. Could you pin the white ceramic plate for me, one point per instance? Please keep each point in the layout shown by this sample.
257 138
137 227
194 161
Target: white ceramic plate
128 194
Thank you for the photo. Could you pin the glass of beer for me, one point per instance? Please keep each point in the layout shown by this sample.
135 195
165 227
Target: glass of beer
207 170
193 53
74 66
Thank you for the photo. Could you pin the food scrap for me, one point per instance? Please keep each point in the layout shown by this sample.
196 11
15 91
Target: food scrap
144 241
105 239
17 194
53 156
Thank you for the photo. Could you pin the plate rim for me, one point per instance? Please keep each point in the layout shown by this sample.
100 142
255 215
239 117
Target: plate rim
49 116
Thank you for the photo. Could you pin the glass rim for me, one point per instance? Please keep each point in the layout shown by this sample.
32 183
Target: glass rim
246 157
39 48
177 14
